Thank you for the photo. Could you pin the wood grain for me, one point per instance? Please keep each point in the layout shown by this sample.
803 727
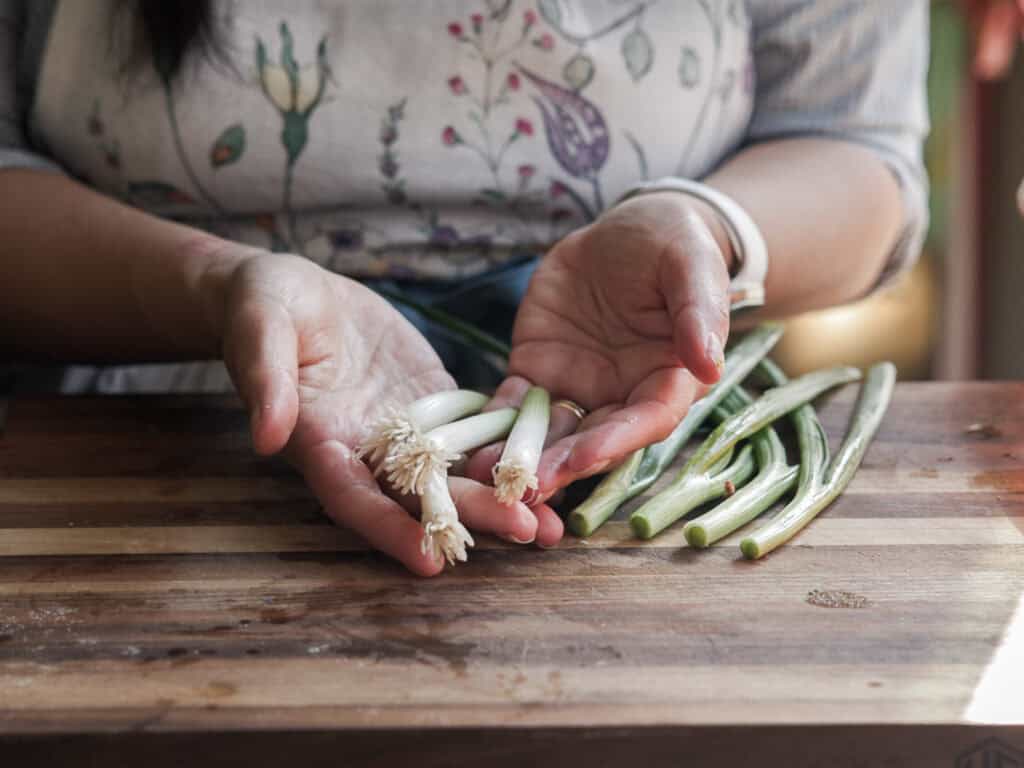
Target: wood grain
209 539
162 591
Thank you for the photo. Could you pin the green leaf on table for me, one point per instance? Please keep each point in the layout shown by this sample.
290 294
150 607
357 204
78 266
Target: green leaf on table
229 146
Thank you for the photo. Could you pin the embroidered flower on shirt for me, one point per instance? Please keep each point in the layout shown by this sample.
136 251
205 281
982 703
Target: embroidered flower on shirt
545 42
577 132
295 92
450 137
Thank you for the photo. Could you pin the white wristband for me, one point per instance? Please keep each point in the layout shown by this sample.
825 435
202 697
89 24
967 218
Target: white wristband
749 250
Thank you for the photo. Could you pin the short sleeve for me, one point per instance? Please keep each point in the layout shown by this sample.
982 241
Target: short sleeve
854 70
14 102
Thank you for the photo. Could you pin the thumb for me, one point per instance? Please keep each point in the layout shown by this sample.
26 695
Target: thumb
695 286
261 353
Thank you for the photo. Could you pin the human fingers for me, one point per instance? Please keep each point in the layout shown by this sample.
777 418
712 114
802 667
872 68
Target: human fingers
351 497
261 353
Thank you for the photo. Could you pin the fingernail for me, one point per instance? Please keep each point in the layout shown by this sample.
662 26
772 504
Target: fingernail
545 546
715 350
514 540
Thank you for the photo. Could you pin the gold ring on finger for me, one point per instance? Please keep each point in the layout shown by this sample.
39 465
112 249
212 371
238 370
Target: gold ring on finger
572 407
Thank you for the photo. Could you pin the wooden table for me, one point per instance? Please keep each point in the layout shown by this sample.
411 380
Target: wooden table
166 596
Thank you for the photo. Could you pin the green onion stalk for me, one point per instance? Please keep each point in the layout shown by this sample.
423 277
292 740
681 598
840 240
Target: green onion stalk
669 505
517 469
413 462
720 480
666 508
822 482
399 426
774 479
639 471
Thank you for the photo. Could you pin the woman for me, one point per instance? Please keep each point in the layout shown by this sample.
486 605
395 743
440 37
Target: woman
160 161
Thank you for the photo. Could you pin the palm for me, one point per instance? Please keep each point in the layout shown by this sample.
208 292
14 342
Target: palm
348 375
597 337
317 358
623 317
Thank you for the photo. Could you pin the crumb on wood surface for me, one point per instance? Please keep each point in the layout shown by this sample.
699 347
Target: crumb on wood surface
835 598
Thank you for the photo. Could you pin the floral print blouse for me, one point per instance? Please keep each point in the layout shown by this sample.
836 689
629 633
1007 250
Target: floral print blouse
439 139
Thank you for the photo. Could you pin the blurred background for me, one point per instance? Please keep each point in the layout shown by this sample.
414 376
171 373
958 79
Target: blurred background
955 315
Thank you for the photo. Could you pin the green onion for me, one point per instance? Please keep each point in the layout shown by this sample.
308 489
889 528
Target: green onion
821 482
517 469
770 406
409 466
443 535
398 426
614 489
718 481
680 499
774 479
638 472
651 518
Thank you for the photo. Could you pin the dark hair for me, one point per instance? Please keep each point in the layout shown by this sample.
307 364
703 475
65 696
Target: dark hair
172 31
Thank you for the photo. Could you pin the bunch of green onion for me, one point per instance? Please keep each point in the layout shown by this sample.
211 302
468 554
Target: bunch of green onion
415 447
742 463
753 478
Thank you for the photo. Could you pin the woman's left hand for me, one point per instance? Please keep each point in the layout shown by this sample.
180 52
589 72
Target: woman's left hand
627 317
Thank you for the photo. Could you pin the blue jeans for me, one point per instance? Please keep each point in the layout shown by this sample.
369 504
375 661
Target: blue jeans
488 301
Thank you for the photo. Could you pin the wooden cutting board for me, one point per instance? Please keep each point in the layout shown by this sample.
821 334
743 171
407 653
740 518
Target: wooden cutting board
163 592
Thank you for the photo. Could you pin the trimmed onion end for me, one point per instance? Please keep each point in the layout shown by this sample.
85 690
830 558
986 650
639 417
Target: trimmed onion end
641 527
750 549
579 525
447 540
413 462
696 536
388 433
511 481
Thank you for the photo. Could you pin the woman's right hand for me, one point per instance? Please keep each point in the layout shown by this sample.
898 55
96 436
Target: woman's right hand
316 357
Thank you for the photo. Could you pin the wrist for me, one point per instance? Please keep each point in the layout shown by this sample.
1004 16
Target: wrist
746 254
210 266
183 292
712 220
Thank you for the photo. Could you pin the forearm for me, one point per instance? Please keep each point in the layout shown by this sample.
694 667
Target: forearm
830 212
83 277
